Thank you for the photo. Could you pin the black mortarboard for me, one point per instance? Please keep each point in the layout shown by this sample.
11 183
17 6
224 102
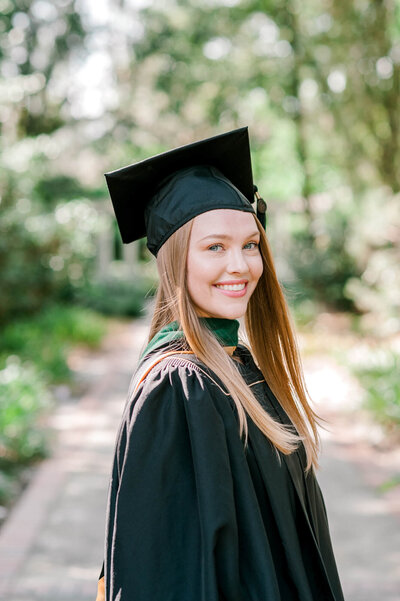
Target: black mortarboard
155 197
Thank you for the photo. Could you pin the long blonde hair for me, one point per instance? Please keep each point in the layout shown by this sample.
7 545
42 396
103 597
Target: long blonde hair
271 339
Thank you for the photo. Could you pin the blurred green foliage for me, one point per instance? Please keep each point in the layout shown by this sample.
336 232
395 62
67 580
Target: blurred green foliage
116 296
43 255
380 380
33 357
323 269
83 90
46 338
375 245
28 250
23 399
51 190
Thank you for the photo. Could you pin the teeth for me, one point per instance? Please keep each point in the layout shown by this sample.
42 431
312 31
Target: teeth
233 287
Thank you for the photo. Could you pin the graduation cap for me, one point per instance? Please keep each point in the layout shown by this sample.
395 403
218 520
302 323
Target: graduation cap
155 197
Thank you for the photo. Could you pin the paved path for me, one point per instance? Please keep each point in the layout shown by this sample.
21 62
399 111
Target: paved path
51 546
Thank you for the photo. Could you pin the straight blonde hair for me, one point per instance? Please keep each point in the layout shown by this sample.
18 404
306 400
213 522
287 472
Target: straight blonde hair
271 338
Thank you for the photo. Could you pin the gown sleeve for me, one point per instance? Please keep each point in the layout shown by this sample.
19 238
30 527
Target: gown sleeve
171 526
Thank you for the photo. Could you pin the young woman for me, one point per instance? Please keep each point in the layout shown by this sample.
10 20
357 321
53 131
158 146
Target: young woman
213 494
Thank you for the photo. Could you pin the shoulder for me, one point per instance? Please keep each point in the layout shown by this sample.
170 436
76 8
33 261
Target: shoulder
178 384
182 372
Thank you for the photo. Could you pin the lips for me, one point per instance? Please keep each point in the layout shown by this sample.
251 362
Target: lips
231 282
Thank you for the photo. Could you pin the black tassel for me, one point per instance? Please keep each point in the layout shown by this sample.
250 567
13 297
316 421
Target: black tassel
261 207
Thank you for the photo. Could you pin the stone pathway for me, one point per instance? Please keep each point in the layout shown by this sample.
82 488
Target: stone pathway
51 546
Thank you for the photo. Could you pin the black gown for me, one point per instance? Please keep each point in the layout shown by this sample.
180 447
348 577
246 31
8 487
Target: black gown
194 516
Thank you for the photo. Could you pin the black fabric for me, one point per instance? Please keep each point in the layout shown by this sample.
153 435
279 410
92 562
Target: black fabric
193 516
186 194
157 196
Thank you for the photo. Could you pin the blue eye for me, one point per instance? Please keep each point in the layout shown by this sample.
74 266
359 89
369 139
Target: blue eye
217 247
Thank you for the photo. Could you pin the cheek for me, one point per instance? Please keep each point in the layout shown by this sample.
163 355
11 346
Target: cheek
257 268
198 274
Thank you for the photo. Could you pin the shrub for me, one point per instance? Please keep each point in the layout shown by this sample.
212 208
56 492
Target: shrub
73 324
375 242
380 379
46 337
10 486
321 263
33 354
23 400
116 296
44 255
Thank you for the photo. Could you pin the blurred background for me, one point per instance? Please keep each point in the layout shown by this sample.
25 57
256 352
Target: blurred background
87 86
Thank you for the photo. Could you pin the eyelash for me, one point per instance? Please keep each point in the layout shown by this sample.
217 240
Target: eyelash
256 245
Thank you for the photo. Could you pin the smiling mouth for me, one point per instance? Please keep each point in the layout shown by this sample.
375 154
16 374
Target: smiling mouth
231 287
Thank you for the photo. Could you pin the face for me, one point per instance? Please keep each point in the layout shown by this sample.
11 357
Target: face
224 262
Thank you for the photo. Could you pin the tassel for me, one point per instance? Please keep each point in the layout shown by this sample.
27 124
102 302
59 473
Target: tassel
261 207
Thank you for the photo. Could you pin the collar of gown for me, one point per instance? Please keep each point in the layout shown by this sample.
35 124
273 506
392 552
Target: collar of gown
225 330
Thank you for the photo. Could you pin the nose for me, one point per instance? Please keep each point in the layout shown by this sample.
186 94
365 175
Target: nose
237 261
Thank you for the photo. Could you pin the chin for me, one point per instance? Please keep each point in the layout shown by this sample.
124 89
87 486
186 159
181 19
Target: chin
230 313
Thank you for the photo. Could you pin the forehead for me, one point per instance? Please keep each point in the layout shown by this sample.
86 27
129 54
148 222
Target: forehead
223 221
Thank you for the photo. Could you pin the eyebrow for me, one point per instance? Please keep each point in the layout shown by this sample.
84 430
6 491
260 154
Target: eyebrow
226 236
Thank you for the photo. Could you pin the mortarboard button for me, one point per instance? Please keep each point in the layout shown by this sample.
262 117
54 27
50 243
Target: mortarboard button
261 207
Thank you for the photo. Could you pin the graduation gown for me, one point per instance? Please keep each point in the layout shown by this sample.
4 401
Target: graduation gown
193 515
